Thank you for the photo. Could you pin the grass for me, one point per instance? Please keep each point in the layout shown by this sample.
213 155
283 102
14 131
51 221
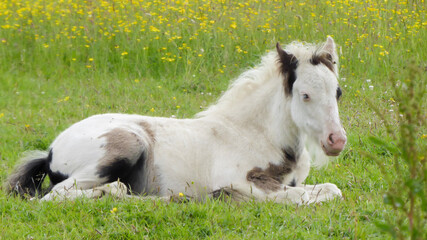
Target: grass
62 61
134 219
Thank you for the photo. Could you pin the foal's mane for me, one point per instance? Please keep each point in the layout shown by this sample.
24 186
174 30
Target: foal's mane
248 82
267 73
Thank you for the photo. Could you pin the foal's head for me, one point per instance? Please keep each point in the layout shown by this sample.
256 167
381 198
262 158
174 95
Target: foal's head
311 85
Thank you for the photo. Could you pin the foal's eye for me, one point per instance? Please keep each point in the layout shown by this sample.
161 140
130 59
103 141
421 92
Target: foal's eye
305 97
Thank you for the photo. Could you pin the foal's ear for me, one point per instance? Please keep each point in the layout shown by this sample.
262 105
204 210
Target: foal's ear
287 60
288 64
329 46
331 54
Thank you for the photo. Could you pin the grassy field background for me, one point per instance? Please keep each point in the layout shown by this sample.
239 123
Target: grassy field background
62 61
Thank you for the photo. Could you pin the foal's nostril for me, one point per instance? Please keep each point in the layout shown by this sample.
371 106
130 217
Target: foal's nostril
331 139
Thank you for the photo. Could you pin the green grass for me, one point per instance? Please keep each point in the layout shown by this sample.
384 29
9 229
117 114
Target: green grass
60 63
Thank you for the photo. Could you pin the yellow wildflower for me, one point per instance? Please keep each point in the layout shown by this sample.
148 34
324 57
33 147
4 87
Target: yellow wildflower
154 29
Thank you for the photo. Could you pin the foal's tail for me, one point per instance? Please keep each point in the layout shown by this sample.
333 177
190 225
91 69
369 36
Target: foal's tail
28 177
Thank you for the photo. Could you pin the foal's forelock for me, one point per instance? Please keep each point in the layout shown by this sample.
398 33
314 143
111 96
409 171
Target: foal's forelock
288 64
325 59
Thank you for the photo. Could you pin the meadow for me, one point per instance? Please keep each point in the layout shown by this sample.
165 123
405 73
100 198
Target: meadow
63 60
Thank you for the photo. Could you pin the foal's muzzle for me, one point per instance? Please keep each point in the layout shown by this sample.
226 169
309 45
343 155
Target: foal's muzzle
334 144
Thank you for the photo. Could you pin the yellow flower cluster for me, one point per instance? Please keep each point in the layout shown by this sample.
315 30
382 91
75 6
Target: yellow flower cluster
180 31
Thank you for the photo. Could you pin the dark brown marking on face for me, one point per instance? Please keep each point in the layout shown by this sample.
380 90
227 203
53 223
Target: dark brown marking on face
288 65
325 59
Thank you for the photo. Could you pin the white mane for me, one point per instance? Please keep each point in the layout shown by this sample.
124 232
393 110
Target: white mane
267 72
247 83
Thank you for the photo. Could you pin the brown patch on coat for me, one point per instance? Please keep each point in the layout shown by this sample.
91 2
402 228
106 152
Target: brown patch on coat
148 130
325 59
129 157
121 144
271 178
151 182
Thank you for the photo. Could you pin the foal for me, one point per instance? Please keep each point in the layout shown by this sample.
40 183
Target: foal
250 145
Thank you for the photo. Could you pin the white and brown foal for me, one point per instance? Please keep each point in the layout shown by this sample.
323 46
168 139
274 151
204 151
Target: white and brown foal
250 144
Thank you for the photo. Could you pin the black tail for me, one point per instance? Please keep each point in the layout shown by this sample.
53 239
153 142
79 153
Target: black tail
27 179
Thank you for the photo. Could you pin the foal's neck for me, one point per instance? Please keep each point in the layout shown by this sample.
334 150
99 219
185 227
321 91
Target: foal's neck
269 117
256 103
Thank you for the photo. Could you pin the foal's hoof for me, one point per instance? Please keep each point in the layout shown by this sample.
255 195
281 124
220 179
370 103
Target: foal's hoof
325 192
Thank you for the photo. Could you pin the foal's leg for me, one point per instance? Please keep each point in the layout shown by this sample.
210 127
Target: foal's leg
319 192
72 188
246 191
300 195
322 192
119 190
290 195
